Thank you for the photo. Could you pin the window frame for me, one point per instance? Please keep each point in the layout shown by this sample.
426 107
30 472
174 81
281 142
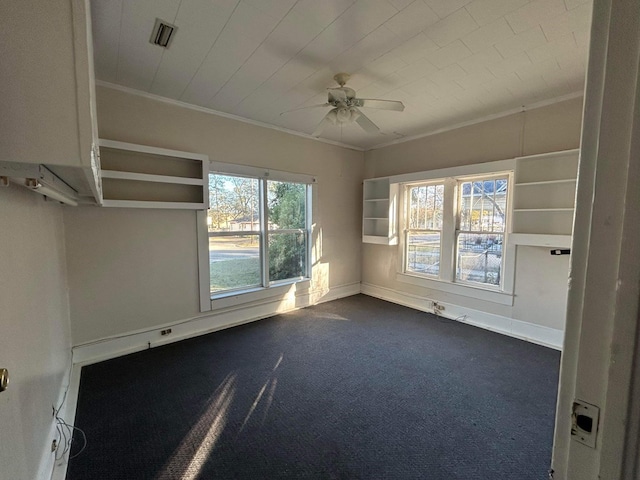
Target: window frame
203 234
446 280
459 231
407 231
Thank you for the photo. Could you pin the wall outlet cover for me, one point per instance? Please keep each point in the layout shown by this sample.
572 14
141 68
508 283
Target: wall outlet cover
584 423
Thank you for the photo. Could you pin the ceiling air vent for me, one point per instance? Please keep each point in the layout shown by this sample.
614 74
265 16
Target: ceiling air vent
162 33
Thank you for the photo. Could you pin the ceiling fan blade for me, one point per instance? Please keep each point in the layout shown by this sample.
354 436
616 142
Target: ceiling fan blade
324 123
366 124
381 104
307 107
337 94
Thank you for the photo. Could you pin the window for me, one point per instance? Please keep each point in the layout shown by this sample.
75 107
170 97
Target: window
454 234
287 230
481 220
233 221
258 232
424 229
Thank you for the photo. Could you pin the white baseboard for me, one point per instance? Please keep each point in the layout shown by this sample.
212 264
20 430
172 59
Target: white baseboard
541 335
212 321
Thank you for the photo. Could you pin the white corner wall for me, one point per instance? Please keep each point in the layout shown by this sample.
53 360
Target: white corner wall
133 270
34 330
538 312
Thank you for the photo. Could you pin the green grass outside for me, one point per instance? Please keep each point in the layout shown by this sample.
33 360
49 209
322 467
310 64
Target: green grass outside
242 272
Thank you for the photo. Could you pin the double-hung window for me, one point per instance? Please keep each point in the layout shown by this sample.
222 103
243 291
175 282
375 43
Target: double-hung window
258 230
454 235
424 228
481 220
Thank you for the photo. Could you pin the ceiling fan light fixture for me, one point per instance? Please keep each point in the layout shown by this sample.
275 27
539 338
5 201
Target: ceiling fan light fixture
344 102
341 115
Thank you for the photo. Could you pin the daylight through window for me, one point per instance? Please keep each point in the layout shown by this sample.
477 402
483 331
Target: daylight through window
454 230
258 232
481 220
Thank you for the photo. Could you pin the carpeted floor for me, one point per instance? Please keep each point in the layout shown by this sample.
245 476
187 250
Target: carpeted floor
357 388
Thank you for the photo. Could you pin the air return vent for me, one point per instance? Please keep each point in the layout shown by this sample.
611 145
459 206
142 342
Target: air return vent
162 33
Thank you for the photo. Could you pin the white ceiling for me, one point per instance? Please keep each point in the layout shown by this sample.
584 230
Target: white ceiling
448 61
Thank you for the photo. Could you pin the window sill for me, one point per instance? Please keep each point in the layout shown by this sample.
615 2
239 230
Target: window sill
254 294
479 293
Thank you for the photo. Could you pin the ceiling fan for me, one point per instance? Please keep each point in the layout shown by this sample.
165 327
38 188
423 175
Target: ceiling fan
345 107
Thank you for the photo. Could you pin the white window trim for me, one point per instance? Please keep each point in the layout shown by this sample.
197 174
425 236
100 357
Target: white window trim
402 219
445 282
251 293
255 172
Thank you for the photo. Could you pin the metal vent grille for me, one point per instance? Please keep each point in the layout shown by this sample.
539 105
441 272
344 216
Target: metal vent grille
163 33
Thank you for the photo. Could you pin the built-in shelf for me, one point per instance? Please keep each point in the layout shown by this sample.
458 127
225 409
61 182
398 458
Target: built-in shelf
141 176
379 223
547 182
146 177
567 209
540 240
544 199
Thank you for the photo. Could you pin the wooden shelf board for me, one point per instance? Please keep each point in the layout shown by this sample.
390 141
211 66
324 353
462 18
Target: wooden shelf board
540 240
144 204
151 150
546 182
543 209
379 239
147 177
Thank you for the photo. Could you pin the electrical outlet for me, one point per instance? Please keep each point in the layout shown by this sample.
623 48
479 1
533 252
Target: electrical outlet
165 332
54 445
584 423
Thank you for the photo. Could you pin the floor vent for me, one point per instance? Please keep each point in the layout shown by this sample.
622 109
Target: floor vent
162 33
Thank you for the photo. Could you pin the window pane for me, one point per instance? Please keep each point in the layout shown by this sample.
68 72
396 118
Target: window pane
287 205
287 256
479 258
423 253
234 262
234 204
425 207
483 205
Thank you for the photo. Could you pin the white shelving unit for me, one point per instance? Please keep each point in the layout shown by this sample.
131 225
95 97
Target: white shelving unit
141 176
379 210
48 96
544 199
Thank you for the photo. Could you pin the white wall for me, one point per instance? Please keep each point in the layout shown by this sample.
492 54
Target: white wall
34 329
132 270
541 280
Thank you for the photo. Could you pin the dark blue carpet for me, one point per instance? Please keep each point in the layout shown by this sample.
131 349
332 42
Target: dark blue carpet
357 388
